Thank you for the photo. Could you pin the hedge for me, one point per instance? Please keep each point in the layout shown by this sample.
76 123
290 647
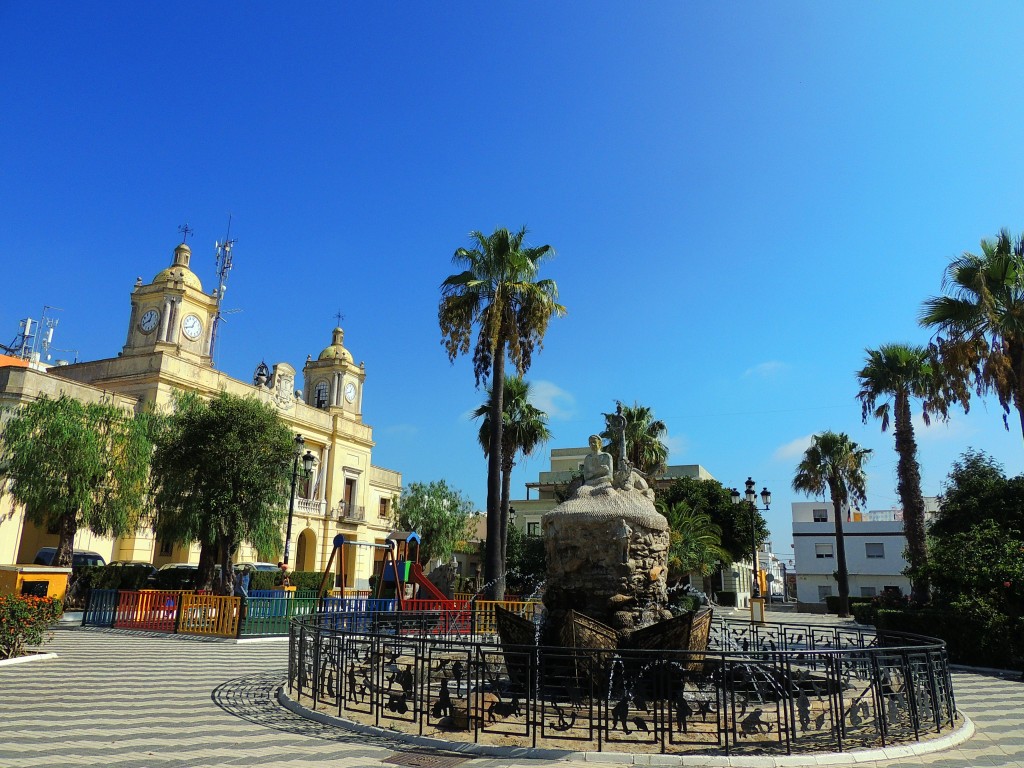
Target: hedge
303 580
726 599
832 602
24 621
974 635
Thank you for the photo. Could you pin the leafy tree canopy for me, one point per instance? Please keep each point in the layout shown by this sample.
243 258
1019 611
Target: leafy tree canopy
439 513
688 495
74 464
977 490
527 562
221 473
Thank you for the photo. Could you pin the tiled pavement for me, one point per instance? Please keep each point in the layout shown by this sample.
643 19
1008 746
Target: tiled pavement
132 701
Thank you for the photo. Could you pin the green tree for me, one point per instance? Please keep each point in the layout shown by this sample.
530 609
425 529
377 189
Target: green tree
439 514
736 522
524 429
644 437
527 562
77 465
980 327
497 293
892 376
221 472
695 543
976 559
835 463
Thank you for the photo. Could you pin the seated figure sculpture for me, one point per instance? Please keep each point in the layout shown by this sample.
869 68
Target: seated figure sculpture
598 470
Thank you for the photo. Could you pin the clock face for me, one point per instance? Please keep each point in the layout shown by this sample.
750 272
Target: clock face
192 326
350 391
149 320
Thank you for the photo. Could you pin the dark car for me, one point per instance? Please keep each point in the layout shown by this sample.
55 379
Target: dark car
78 559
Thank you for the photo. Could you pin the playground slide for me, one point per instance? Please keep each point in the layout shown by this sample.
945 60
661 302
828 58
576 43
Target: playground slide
426 585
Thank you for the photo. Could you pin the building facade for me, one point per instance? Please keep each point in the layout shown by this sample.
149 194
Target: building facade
875 545
168 350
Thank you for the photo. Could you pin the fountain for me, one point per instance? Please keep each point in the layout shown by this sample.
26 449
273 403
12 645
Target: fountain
607 554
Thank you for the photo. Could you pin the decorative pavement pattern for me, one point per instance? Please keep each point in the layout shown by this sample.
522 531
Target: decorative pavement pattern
137 700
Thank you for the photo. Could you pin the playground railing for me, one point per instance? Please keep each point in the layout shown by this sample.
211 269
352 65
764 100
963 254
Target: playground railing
209 615
269 616
484 621
153 610
101 608
455 616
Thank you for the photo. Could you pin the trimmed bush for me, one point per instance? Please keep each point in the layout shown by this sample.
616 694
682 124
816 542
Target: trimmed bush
974 634
726 599
24 621
303 580
832 603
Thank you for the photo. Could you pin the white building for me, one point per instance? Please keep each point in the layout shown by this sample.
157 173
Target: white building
875 545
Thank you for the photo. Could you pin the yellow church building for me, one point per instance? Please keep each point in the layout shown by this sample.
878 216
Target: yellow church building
167 350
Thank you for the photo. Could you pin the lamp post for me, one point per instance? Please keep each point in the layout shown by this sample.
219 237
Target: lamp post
751 498
307 467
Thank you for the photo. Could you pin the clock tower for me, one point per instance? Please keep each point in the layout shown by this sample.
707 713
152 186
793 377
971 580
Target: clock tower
334 380
172 313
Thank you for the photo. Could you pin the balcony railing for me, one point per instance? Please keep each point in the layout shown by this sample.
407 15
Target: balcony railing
353 512
311 507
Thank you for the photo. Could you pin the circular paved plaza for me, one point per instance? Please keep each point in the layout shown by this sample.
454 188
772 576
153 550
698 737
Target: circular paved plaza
127 699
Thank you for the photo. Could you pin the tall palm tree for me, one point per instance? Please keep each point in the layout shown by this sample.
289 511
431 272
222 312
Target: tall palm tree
835 463
498 293
524 429
894 374
644 437
980 327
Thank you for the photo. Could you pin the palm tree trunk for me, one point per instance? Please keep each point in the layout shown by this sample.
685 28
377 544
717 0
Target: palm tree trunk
843 576
506 496
494 566
908 473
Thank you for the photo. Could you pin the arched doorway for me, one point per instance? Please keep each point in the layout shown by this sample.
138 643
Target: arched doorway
305 551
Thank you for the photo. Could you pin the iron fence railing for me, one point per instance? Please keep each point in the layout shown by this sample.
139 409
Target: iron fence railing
765 689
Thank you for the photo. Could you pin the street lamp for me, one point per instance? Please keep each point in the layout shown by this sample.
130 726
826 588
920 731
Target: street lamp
307 467
751 498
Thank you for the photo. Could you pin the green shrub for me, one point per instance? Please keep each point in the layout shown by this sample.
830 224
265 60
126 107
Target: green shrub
24 621
975 633
864 613
832 603
303 580
726 599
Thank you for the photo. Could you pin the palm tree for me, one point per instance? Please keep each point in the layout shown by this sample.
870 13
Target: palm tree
695 542
498 293
893 374
524 429
835 463
644 436
980 327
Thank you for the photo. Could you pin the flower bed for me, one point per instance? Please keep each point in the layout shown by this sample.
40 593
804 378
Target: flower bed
24 622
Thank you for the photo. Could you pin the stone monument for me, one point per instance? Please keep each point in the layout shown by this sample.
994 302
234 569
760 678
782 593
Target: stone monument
607 546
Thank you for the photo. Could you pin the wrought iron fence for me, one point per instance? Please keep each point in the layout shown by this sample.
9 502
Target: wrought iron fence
766 689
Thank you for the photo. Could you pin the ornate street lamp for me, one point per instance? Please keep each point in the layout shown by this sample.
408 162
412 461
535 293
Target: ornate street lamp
307 467
751 498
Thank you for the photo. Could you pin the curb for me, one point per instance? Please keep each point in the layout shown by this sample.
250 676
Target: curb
28 659
947 741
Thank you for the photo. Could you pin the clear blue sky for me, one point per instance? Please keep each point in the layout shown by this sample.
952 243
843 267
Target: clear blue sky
742 196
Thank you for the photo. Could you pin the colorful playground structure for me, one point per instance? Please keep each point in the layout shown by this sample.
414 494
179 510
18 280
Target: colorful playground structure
400 586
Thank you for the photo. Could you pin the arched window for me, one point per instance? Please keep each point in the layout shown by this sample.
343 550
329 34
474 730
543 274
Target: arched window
320 393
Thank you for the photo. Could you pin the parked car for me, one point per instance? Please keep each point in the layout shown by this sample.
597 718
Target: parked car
256 566
78 558
142 565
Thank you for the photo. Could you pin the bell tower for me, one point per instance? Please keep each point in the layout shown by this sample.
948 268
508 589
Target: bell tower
334 380
172 313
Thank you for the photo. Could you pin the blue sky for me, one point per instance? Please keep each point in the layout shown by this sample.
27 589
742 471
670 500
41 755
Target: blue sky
742 198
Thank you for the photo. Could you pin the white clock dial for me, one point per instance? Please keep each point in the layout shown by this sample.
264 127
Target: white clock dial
192 326
350 392
149 320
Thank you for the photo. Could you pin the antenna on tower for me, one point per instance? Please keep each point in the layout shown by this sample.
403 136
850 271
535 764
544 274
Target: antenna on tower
223 249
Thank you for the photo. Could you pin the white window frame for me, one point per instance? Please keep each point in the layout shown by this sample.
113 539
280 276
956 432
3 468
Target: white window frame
815 513
881 550
824 551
